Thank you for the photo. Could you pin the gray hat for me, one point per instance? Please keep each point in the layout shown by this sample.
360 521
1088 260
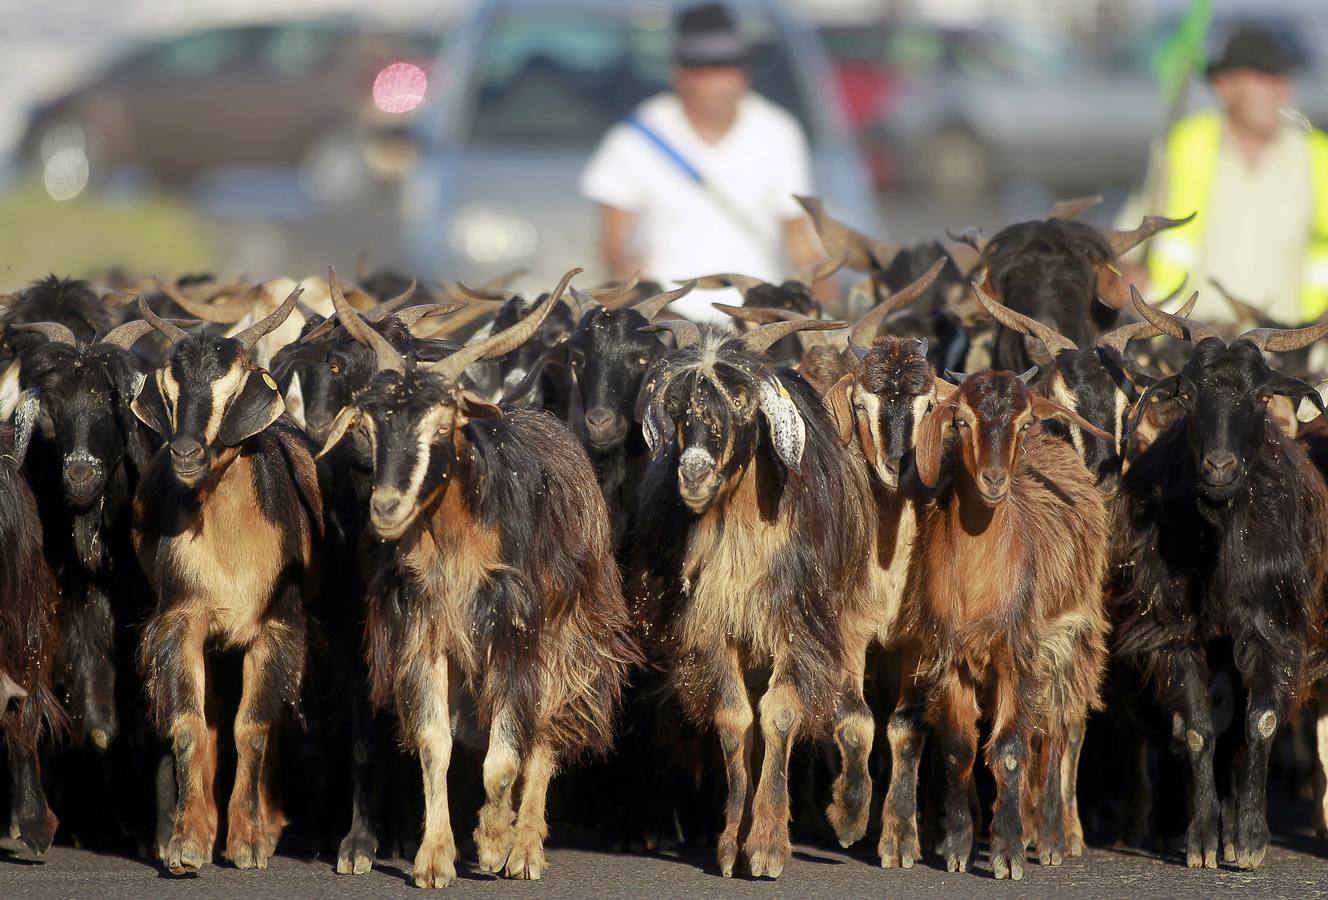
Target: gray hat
708 36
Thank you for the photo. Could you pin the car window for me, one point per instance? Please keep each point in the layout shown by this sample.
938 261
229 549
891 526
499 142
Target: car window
566 79
297 49
197 55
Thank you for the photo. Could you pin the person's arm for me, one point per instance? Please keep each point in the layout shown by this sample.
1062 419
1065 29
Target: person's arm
615 235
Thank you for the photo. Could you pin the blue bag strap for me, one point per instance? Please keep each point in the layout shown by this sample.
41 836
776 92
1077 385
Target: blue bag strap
666 148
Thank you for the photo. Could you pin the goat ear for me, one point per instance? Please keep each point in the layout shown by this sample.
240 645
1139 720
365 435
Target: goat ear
945 390
1110 287
9 390
1159 391
1044 409
257 405
788 431
294 397
25 419
931 441
473 406
841 410
1296 390
150 407
343 423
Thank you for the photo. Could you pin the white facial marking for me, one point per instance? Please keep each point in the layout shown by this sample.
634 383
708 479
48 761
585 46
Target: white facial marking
1061 393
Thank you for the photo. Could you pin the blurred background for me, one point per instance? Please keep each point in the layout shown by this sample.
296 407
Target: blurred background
446 136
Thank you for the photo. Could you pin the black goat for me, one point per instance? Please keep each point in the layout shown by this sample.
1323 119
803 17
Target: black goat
1218 565
226 521
28 640
68 301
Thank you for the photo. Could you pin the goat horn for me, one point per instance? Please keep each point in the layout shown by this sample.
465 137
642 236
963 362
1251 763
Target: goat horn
765 315
53 331
409 317
502 282
842 242
382 310
966 258
969 237
615 295
816 272
760 339
1052 339
126 335
389 360
482 294
1074 207
218 312
956 377
864 332
119 299
451 368
269 323
1241 308
173 333
684 333
1175 326
580 301
1117 338
653 306
1124 241
743 283
1027 376
1285 340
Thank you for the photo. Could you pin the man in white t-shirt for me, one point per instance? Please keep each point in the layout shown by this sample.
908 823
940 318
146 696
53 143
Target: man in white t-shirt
701 179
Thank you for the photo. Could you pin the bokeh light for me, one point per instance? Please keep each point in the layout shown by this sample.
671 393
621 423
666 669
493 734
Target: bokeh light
66 173
399 88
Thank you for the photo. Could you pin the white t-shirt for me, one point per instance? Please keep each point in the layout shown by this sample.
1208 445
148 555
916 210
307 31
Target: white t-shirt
758 165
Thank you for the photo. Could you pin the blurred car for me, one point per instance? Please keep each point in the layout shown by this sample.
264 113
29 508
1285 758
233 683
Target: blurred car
976 109
532 87
272 95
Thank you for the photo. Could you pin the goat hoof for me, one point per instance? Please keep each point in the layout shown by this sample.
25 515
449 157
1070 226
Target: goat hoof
526 861
899 845
1076 846
956 864
185 854
37 835
1007 866
768 847
1050 858
1228 852
493 844
435 865
848 813
356 854
727 855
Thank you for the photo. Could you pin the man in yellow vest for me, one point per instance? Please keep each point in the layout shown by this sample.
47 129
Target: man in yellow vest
1257 175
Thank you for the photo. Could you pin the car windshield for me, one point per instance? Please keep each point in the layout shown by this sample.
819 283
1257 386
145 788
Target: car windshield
564 79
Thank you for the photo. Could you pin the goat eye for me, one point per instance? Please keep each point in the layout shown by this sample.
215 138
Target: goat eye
334 369
962 423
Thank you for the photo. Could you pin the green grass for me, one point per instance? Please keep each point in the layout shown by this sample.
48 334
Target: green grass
91 233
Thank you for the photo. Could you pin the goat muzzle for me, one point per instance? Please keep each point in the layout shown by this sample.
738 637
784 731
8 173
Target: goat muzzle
604 427
389 512
188 459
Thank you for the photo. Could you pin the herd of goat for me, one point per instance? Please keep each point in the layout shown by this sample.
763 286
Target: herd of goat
573 528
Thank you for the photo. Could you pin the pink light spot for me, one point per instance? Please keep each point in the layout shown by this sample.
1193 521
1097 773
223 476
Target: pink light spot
399 88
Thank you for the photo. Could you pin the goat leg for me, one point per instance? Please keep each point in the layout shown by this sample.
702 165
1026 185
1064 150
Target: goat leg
1201 839
899 844
733 721
1321 762
360 845
1264 711
1051 811
527 857
855 731
494 834
768 847
955 712
1069 762
36 823
1008 756
435 861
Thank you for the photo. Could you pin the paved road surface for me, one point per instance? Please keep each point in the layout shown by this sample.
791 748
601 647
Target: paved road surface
1291 870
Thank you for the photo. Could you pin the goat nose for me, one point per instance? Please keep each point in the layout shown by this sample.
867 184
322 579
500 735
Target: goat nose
186 450
599 418
384 505
892 464
994 481
1219 463
79 472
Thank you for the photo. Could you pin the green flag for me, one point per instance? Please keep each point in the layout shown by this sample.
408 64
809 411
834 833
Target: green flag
1183 53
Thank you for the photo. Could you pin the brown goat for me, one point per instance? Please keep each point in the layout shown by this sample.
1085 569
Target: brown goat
225 524
1007 580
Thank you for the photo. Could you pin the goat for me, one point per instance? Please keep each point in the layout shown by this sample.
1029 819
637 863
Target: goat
749 560
1007 587
28 638
69 301
492 591
226 523
1218 566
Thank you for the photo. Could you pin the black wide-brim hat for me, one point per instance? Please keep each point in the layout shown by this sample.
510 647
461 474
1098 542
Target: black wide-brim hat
1256 48
708 36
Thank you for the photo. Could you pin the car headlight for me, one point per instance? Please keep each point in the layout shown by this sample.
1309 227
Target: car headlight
487 234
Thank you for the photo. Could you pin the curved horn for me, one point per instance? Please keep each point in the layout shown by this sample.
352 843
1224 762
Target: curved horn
1125 241
956 377
616 295
1117 338
1241 308
409 317
381 311
1178 327
653 306
1285 340
270 323
684 333
172 333
119 299
452 367
760 339
856 249
1052 339
481 294
226 312
743 283
969 237
1028 376
811 274
864 332
53 331
126 335
765 315
388 358
1073 207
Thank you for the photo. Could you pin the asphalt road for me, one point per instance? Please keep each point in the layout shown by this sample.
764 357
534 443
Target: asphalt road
1295 867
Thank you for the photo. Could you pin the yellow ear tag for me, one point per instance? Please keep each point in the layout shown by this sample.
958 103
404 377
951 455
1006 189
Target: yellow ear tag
783 391
269 381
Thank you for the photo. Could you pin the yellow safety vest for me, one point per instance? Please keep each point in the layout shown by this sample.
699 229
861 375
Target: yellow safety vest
1191 160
